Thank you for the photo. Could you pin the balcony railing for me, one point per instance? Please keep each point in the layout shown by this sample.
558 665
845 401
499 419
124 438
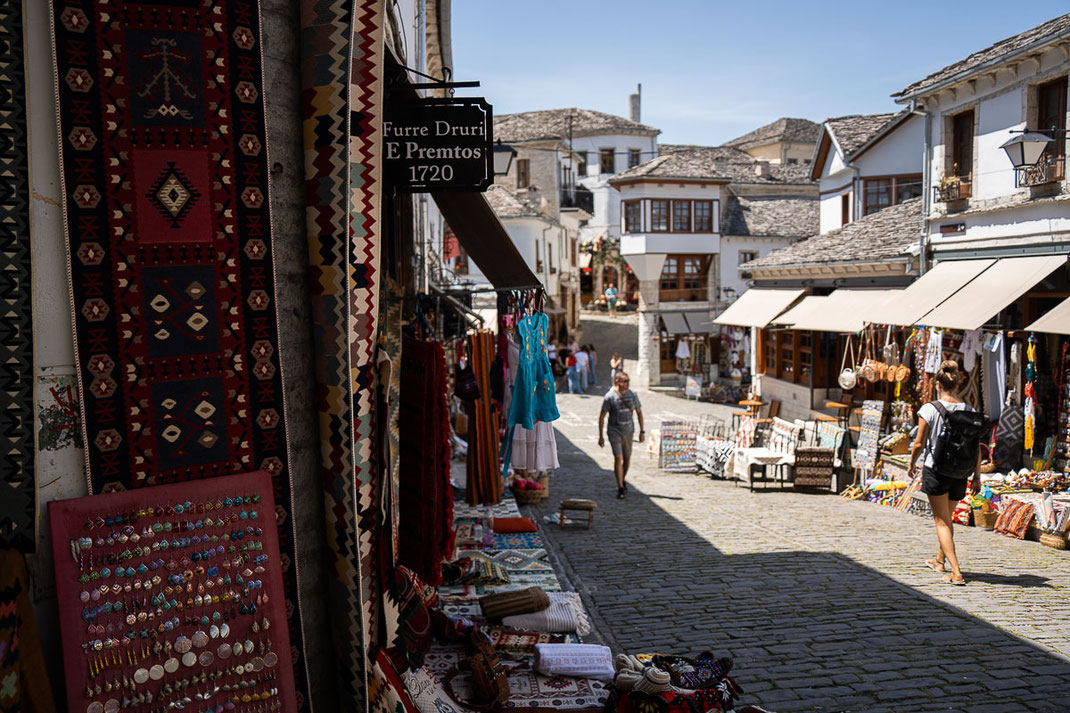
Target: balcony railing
953 188
1048 170
578 197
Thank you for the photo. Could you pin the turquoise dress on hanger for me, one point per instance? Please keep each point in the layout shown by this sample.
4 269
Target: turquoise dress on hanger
534 394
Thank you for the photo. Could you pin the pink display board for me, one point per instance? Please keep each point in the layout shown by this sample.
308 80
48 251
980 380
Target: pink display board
170 599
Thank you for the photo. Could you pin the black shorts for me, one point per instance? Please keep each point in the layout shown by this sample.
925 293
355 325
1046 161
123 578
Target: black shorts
932 483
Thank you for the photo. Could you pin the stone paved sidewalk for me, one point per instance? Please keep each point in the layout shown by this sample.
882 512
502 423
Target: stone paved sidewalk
824 604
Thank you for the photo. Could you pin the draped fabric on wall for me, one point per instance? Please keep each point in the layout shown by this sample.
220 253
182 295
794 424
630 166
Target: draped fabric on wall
342 72
485 484
166 197
18 486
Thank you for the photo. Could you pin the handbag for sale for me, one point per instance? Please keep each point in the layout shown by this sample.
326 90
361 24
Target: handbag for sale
848 377
488 681
465 385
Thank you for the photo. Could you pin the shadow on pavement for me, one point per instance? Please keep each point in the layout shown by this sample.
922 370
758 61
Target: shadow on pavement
1019 580
809 631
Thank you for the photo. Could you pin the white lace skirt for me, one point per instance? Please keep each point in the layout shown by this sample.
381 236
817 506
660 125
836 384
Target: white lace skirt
534 449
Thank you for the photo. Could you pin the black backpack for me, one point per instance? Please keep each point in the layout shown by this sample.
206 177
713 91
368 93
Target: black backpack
956 446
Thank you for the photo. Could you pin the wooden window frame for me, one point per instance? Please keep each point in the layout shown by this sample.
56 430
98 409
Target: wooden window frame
1057 148
743 253
708 205
673 286
894 184
635 204
612 160
959 143
635 157
673 216
523 173
845 208
667 215
581 164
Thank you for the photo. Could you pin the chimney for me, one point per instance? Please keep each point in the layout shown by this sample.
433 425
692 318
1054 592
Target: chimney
762 170
633 103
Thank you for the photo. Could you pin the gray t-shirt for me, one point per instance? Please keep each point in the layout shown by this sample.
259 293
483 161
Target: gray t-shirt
620 410
932 417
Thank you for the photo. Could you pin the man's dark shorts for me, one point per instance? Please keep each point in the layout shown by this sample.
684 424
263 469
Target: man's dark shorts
620 443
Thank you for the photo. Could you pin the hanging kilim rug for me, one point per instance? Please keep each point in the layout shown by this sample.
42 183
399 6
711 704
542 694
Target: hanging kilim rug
165 187
18 487
342 79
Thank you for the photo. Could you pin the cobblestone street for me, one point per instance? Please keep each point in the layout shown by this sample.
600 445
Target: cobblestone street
824 604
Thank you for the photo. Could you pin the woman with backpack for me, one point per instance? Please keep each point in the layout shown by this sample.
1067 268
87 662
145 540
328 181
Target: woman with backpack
948 443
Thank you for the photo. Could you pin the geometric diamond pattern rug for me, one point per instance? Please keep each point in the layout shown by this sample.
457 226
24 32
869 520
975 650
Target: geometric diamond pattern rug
506 508
168 231
514 561
18 486
342 57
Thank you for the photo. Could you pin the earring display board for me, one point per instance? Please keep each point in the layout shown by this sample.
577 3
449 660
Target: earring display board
677 451
171 598
865 457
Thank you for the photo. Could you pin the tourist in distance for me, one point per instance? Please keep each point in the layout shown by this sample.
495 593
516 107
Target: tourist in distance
618 405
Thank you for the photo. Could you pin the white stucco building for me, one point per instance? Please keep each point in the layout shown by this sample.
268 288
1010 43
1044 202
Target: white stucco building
864 163
688 217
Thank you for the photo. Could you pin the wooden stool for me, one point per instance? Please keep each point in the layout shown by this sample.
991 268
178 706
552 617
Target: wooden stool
587 506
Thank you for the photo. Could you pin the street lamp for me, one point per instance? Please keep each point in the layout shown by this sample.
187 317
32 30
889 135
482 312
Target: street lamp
503 158
1025 150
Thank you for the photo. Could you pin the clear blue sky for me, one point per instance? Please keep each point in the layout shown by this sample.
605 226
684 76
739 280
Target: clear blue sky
713 70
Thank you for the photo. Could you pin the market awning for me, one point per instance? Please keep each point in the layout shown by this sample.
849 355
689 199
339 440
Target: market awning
699 322
675 323
757 307
987 294
925 293
842 310
802 310
485 239
1056 321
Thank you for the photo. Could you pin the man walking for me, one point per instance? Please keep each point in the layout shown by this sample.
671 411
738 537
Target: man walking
619 403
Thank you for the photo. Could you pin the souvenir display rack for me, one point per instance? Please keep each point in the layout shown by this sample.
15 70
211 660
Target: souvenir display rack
677 451
171 598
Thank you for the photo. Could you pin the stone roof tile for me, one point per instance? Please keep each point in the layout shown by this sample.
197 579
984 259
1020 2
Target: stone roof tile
993 53
783 129
772 216
507 204
852 132
556 124
713 163
883 235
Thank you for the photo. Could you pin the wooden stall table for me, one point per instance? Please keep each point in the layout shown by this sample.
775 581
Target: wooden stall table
753 406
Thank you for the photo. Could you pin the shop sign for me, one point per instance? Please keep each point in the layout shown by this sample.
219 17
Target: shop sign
433 145
693 387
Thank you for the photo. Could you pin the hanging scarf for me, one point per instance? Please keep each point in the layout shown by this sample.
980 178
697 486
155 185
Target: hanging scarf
1029 409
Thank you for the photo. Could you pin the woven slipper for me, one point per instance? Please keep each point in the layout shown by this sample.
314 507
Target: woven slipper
935 567
955 582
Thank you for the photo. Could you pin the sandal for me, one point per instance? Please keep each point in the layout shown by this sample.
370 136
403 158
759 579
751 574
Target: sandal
935 566
950 579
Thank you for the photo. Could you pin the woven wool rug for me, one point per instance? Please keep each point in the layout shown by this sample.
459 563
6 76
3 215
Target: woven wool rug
342 78
18 487
166 202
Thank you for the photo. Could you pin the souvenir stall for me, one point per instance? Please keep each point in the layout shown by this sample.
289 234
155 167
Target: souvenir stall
1017 376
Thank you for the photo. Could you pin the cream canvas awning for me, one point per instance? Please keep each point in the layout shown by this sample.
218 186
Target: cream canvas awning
675 323
926 292
757 308
842 310
802 310
992 290
1056 321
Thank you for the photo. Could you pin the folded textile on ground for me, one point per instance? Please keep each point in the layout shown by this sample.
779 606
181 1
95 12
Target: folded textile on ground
564 615
514 524
514 603
578 660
